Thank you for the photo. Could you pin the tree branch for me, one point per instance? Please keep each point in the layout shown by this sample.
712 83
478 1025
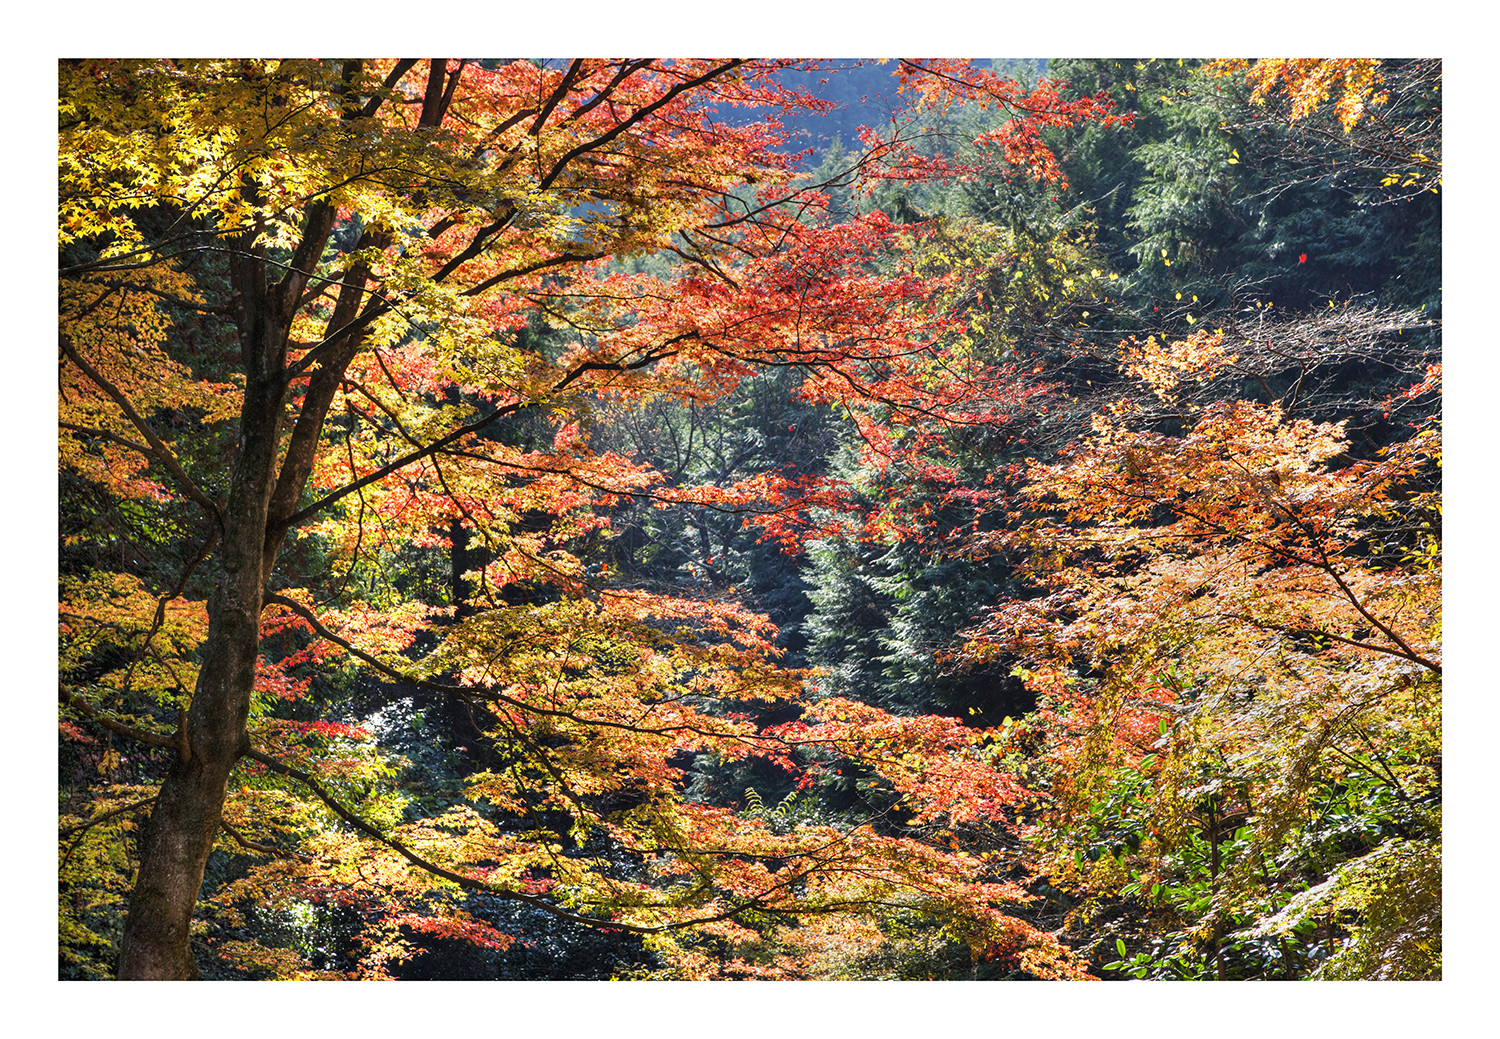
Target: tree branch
264 849
400 463
461 879
638 116
83 827
107 815
159 450
90 712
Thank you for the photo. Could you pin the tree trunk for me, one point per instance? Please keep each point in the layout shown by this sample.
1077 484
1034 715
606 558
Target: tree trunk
177 838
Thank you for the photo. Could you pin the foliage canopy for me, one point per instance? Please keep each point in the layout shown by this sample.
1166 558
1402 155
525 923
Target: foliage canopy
499 496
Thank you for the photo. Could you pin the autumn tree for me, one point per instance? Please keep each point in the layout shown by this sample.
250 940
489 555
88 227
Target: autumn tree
294 298
1237 652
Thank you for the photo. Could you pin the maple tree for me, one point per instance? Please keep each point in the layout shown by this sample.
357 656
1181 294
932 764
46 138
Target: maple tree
318 318
1237 653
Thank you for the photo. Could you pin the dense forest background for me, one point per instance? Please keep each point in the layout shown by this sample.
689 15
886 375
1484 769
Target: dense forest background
1124 662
